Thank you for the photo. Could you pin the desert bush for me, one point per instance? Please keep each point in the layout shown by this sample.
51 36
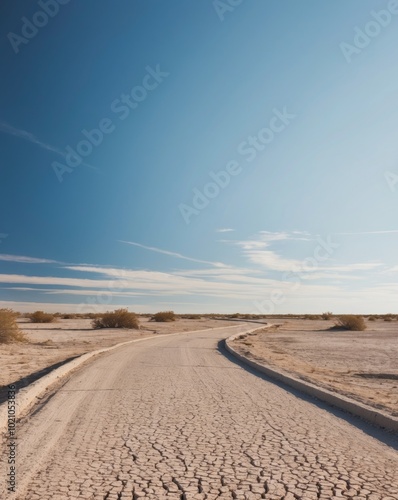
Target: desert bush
351 322
9 330
41 317
311 316
121 318
164 316
193 316
69 316
92 315
371 318
327 315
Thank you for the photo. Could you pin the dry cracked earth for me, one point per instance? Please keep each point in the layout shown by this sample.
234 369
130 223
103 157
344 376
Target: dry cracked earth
174 418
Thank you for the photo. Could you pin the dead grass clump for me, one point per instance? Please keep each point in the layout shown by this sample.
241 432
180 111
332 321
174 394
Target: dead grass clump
164 316
41 317
351 322
312 317
9 330
92 315
327 315
121 318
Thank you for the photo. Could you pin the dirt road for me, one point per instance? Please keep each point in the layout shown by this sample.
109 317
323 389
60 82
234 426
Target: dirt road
174 418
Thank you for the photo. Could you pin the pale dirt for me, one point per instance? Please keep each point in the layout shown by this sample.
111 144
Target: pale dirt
361 365
173 418
53 343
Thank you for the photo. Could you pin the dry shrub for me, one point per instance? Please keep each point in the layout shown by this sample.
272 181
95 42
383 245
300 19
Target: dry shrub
249 316
164 316
327 315
311 316
9 330
121 318
193 316
70 316
41 317
92 315
371 318
351 322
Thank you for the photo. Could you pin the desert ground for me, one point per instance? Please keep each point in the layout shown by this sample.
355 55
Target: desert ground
52 344
176 418
361 365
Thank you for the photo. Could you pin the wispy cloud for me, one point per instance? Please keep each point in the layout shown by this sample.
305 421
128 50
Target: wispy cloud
391 231
264 238
6 128
225 230
174 254
26 260
257 250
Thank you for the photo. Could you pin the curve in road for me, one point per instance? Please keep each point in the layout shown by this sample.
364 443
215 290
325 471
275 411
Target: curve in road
172 418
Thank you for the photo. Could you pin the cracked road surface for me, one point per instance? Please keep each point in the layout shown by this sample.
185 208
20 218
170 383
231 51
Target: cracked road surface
174 418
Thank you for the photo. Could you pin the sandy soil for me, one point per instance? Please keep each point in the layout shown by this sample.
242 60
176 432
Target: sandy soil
362 365
51 344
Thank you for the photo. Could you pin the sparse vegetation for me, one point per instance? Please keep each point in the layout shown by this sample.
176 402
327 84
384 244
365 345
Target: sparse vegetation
92 315
327 315
164 316
371 318
9 330
41 317
121 318
351 322
311 316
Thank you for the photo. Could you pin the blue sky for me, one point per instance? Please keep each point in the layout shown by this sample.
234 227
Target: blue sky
245 157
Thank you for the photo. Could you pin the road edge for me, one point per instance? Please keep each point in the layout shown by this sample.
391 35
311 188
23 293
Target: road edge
27 397
341 402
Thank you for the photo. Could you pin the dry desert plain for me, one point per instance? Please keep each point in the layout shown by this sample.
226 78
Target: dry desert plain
361 365
52 344
175 417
